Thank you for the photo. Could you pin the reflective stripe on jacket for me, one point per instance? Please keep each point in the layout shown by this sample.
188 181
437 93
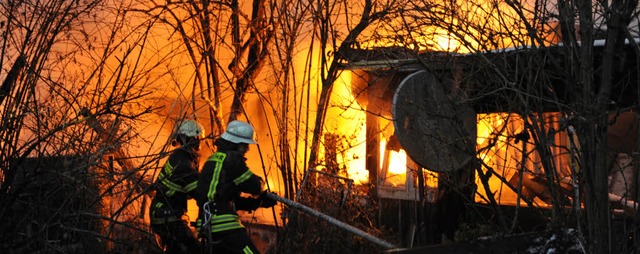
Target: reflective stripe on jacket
165 178
224 176
176 182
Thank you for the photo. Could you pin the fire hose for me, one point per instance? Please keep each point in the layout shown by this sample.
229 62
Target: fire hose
331 220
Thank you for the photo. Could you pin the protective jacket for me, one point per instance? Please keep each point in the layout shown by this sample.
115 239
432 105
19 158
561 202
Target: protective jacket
224 176
175 184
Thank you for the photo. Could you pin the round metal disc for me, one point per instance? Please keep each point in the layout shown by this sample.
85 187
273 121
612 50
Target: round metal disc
437 132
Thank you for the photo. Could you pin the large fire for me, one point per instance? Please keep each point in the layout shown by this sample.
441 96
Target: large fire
503 144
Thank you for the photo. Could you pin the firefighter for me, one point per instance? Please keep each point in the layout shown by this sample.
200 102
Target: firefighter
224 177
175 184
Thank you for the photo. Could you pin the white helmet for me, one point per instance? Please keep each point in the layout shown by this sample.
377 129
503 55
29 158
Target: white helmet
191 128
239 132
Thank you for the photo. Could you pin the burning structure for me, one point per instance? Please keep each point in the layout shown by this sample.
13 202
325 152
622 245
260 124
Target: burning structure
462 135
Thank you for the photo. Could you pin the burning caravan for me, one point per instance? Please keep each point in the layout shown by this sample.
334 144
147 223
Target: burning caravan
443 116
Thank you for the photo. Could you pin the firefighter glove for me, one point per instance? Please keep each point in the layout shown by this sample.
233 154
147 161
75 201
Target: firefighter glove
266 201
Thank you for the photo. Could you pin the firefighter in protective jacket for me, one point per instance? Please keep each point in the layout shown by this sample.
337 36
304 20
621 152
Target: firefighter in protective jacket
224 177
175 184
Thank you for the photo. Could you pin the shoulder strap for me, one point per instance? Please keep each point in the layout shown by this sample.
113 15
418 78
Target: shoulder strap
218 158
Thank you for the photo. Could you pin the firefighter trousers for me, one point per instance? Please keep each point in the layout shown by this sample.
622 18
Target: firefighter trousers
230 241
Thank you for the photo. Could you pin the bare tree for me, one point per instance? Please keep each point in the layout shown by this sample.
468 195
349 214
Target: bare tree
74 102
208 30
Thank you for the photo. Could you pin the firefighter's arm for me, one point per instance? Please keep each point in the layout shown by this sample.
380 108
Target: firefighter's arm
250 204
247 203
253 185
250 183
266 201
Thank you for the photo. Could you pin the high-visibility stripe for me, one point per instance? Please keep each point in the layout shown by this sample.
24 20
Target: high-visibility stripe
245 176
247 250
171 185
168 168
166 173
225 227
219 218
218 158
190 187
224 222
